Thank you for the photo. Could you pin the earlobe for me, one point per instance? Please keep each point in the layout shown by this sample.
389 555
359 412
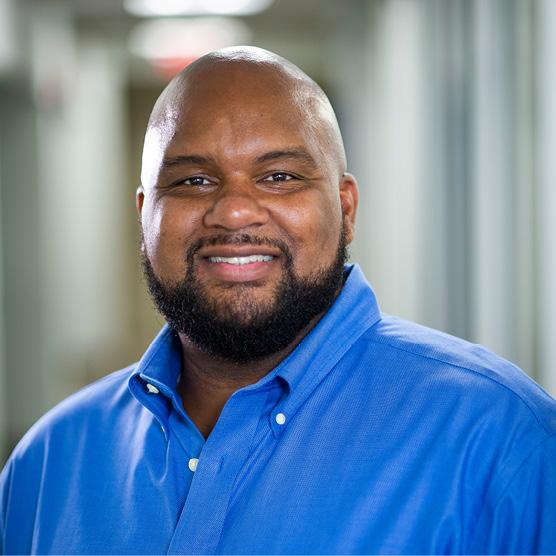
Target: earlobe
139 199
349 199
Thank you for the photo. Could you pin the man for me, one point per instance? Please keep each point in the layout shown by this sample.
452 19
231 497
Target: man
279 412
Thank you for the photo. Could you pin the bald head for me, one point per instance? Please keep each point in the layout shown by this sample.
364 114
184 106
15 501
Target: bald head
243 80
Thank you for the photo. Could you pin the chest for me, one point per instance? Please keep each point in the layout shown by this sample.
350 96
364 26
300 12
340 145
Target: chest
325 482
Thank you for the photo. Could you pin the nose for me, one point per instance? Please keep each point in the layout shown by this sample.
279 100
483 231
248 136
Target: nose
236 208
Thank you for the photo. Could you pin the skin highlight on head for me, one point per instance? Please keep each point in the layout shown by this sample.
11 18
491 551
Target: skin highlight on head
245 210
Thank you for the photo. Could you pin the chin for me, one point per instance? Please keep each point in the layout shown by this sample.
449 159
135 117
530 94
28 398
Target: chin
245 308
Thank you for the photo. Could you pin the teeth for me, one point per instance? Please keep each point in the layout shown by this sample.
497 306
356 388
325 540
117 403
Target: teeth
242 260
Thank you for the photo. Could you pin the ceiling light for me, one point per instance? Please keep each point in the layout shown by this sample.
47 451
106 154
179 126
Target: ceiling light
174 43
153 8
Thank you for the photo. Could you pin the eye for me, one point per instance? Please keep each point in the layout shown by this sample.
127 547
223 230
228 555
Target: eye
279 176
196 181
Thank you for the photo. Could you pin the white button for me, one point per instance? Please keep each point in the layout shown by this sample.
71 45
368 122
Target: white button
280 418
152 389
193 462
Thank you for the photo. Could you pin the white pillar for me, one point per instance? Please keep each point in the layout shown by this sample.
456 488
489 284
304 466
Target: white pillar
86 203
392 157
3 381
8 45
492 182
546 200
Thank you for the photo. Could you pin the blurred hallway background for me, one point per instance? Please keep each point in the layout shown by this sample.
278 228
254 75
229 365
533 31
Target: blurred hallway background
448 110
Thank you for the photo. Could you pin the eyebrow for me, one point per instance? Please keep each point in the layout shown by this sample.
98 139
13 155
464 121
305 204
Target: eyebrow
179 160
295 154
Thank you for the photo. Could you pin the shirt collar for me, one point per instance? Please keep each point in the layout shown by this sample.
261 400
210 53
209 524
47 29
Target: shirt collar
160 367
354 311
161 363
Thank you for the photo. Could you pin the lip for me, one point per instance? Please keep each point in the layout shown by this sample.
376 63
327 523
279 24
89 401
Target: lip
234 273
237 251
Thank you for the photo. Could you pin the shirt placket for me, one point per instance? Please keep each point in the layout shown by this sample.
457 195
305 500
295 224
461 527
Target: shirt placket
222 457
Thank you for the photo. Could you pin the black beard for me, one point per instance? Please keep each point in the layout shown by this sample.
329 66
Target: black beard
259 330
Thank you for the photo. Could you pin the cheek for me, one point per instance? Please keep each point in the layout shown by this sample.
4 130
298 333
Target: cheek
151 226
164 238
314 231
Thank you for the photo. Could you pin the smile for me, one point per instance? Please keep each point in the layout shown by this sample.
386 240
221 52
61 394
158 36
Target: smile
250 259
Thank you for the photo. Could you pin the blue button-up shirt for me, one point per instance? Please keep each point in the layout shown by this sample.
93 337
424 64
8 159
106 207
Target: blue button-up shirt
374 436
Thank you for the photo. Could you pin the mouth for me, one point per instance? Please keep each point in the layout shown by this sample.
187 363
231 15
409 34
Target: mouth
239 264
242 260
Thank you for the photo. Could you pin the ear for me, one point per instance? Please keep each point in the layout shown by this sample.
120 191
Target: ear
349 199
139 198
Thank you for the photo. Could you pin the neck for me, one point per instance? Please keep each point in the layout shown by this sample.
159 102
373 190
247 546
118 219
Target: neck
208 382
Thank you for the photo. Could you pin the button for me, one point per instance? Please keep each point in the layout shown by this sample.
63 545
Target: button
152 389
193 462
280 418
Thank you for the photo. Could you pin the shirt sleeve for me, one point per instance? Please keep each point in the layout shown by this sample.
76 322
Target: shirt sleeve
523 519
4 496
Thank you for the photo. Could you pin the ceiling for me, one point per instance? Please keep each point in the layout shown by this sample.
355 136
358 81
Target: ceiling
298 30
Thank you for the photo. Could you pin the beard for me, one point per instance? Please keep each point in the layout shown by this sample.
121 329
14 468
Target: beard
244 329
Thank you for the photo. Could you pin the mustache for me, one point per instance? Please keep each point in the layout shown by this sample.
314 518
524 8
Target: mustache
237 239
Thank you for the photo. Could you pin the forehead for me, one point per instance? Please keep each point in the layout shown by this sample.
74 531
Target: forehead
237 104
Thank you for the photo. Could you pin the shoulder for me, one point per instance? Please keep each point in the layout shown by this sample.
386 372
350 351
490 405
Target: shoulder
451 366
88 411
481 409
72 448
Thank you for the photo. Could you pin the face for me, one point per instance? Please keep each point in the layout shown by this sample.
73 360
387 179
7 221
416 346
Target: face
241 195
